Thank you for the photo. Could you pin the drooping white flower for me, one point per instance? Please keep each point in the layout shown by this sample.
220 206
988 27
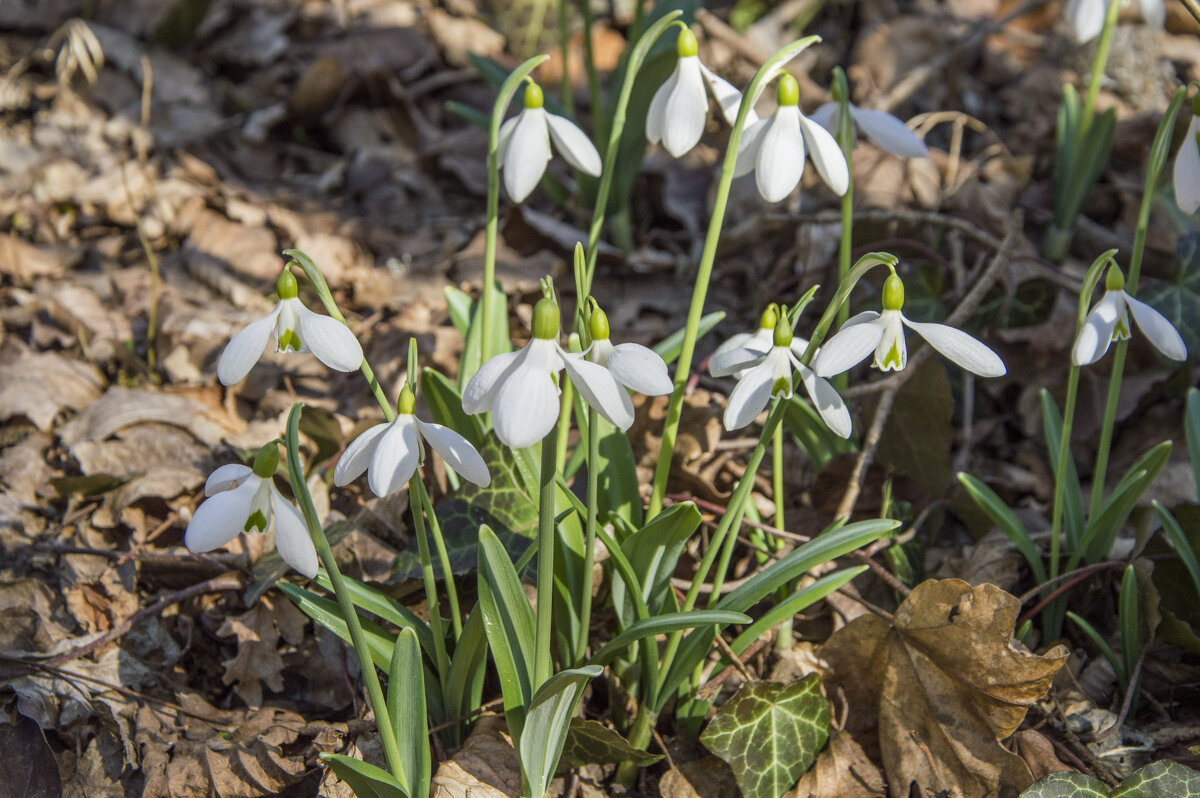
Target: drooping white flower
1187 165
524 146
1109 321
883 333
680 106
390 452
887 131
759 340
634 366
294 328
520 390
774 148
767 373
1086 17
242 499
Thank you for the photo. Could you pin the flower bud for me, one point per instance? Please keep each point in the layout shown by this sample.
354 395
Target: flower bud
533 96
783 331
1115 279
286 286
266 461
686 45
598 324
787 92
407 402
545 320
769 317
893 292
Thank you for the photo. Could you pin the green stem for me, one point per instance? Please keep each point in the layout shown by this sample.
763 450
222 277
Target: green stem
439 543
845 140
542 669
1098 65
777 477
431 596
387 734
1060 472
589 539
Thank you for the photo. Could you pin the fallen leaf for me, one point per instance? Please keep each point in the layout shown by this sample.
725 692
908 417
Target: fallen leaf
709 777
944 683
27 768
842 770
485 767
123 407
258 631
39 385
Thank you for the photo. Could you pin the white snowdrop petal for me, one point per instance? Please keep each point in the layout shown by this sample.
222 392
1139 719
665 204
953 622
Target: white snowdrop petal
798 346
748 147
227 477
960 348
354 461
457 452
891 340
481 391
851 345
654 117
732 361
574 145
865 317
219 519
826 116
750 396
1154 12
827 401
526 406
395 458
599 388
890 133
1096 334
1162 333
329 340
502 141
641 369
826 155
292 540
1086 18
527 154
780 163
735 341
686 109
245 348
727 97
289 322
1187 170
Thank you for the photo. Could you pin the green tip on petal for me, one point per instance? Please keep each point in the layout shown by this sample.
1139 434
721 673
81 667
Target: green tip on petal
783 331
769 318
533 96
289 341
787 92
256 521
686 44
893 292
598 324
781 387
407 402
266 461
1115 279
545 319
286 286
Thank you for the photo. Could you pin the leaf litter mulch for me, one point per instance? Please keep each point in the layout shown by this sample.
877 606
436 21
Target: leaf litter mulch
157 158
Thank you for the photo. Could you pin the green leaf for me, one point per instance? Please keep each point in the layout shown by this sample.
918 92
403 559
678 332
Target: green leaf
1101 531
498 336
376 602
322 428
1165 779
445 404
406 705
464 683
509 625
1007 521
670 347
1127 621
458 302
367 781
546 724
1102 644
1066 784
796 603
590 742
664 624
1179 541
1191 430
653 552
620 494
327 613
770 734
1179 300
1052 424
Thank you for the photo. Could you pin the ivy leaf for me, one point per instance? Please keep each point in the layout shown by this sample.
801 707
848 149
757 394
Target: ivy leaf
1165 779
1067 784
770 734
1179 301
590 742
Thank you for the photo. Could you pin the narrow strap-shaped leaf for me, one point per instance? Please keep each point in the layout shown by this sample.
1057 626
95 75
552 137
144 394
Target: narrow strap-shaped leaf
669 348
1052 423
366 780
464 683
547 723
1102 644
663 624
406 704
376 602
1181 544
1191 430
1127 619
792 605
1102 530
1004 518
509 624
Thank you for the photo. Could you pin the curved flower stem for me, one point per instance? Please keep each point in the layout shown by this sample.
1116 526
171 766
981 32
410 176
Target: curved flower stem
614 135
387 734
589 539
1098 65
439 543
542 667
431 597
683 370
1154 166
783 636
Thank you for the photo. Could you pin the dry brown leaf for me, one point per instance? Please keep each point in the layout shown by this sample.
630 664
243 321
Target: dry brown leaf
485 767
25 261
1039 753
709 777
459 36
124 407
944 683
258 631
38 385
842 770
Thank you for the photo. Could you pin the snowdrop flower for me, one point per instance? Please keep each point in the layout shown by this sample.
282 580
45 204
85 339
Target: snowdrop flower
1187 165
884 333
1086 17
1109 321
887 131
759 340
524 146
634 366
769 373
680 106
390 452
774 148
521 391
294 328
242 499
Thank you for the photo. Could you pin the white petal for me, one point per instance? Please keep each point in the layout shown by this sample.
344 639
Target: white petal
828 402
655 120
735 341
1154 12
227 477
218 520
481 390
1086 18
457 451
960 348
641 369
891 340
864 317
748 147
798 346
728 97
395 458
826 155
574 145
357 457
851 344
1187 170
288 323
826 116
245 348
330 340
734 360
889 133
750 396
686 108
1162 333
526 404
1097 332
527 154
780 161
292 540
599 388
502 141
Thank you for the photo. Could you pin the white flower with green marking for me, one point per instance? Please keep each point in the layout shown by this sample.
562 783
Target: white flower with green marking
759 340
1086 17
1187 164
524 146
634 366
1109 321
242 499
293 328
887 131
680 106
390 452
883 333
